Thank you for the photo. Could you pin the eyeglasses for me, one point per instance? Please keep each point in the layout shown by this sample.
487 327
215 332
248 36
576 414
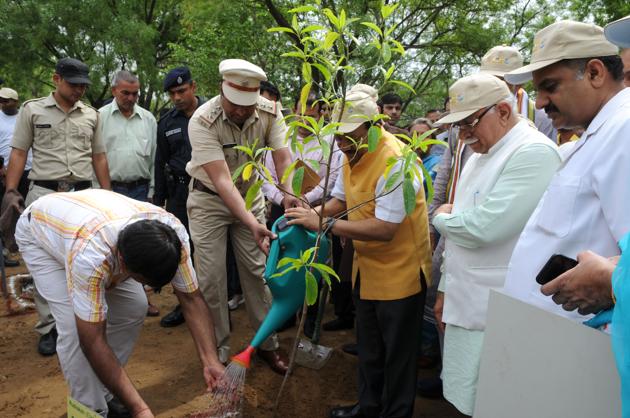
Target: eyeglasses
472 125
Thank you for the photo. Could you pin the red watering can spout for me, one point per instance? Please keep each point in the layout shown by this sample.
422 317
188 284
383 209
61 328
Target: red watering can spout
244 357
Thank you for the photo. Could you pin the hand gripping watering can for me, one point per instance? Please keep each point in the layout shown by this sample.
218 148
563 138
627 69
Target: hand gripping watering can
289 289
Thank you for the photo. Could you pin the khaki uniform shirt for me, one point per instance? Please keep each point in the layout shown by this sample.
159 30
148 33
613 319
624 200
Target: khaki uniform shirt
213 137
62 143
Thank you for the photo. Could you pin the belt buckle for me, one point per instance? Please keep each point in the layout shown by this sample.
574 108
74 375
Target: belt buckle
64 186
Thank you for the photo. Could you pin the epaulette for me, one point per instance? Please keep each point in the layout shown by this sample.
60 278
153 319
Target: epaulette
211 116
90 106
267 105
33 100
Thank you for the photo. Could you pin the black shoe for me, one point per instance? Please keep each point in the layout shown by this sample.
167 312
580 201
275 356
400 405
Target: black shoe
430 388
173 319
338 324
11 263
351 349
352 411
47 345
117 409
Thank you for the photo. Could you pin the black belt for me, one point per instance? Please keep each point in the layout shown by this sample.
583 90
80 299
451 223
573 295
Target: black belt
63 186
130 184
198 185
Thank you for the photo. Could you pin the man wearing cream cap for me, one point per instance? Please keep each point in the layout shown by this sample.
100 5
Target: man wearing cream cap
216 205
392 260
587 202
498 190
503 59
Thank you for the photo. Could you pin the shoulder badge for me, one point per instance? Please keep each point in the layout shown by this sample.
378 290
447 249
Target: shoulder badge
214 111
33 100
267 105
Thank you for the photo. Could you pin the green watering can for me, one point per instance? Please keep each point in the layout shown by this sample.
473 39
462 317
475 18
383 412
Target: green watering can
288 290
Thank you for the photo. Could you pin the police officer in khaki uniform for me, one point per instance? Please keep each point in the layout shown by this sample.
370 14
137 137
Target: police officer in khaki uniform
216 207
63 134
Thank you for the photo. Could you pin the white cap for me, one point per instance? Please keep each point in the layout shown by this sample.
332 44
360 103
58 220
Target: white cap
472 93
241 81
7 93
359 108
500 60
563 40
618 32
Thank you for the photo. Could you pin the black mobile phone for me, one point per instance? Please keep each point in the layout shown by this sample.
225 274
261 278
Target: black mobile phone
555 266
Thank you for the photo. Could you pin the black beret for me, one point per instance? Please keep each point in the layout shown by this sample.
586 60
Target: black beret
177 77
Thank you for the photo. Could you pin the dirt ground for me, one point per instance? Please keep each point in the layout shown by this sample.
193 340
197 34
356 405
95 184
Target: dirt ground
165 369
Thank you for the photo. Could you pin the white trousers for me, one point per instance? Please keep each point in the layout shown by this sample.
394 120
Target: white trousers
127 308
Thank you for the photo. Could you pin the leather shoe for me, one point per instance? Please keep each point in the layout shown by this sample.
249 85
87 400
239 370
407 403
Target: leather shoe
274 360
430 388
173 319
338 324
117 409
351 348
47 345
352 411
153 310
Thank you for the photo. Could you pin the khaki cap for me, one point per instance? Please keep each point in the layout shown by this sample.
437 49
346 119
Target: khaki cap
7 93
474 92
241 81
618 32
360 104
563 40
500 60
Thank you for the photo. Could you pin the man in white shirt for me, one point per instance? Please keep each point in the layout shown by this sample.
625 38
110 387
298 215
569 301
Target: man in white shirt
587 202
130 136
498 190
9 103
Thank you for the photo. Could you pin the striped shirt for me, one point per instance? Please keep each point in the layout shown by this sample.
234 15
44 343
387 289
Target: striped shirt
80 230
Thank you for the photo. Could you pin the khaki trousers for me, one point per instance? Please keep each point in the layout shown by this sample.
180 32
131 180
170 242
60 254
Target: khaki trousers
210 221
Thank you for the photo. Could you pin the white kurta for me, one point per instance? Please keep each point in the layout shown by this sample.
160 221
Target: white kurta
585 207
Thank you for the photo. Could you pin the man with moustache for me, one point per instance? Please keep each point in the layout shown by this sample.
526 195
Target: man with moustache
587 202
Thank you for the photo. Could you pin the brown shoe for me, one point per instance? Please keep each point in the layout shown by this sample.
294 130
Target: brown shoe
274 360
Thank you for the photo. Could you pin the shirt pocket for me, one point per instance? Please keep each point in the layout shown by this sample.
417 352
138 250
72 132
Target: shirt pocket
143 147
43 135
557 211
83 134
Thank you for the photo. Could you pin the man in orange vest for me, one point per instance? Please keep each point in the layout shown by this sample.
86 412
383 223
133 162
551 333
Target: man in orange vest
392 260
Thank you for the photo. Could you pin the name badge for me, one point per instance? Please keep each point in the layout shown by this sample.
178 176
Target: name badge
173 132
43 125
227 146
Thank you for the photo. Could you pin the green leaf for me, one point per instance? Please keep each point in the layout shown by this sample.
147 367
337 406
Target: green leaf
306 255
311 288
304 96
373 27
286 260
332 18
313 163
252 193
246 150
303 9
342 18
323 268
312 28
280 29
374 134
295 54
237 172
330 39
389 72
409 195
388 9
429 183
307 73
403 84
298 178
283 272
288 171
393 180
323 70
387 52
